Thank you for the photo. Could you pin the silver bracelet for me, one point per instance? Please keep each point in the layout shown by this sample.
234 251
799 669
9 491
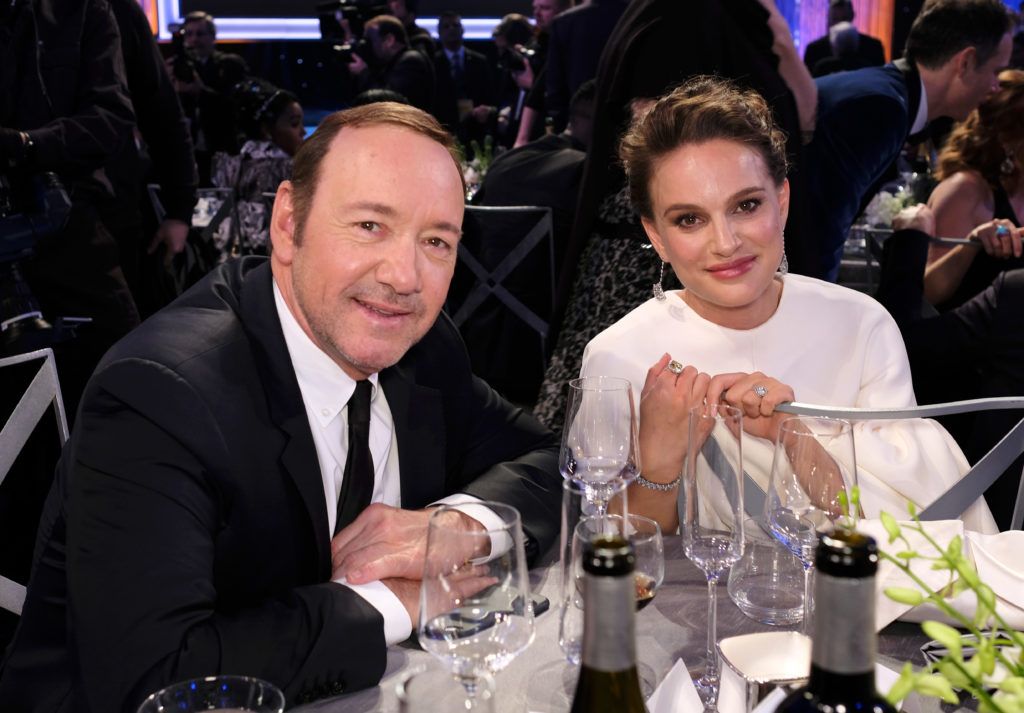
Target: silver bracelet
660 487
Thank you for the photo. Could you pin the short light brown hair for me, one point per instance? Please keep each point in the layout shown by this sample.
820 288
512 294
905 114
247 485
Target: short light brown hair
309 157
703 109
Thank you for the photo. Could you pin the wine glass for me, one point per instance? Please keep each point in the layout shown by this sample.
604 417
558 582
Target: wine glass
600 440
644 535
711 514
814 463
475 610
216 693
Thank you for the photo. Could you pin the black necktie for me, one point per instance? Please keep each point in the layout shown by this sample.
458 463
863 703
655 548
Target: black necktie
357 482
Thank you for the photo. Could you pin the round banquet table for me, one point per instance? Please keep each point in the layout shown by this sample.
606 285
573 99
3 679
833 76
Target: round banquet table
673 626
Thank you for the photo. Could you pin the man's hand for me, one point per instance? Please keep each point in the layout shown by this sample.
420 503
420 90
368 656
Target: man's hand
915 217
173 234
357 66
385 542
524 77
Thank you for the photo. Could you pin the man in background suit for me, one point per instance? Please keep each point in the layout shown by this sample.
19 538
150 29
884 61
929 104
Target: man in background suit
219 446
464 100
868 51
955 50
578 37
393 64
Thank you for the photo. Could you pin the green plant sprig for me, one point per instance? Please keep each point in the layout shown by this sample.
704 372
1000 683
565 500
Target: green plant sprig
939 678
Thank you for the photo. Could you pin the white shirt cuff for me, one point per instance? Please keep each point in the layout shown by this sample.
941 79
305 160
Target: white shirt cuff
397 625
471 506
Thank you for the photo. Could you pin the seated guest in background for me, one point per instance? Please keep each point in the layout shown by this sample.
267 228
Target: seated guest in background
980 341
464 100
271 120
205 95
393 65
955 51
189 531
707 173
866 50
419 38
980 195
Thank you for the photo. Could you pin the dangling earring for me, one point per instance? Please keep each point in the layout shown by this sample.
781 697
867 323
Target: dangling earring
656 288
1007 166
784 263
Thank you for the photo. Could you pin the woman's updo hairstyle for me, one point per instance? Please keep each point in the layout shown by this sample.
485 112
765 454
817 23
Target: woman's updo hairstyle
702 109
258 104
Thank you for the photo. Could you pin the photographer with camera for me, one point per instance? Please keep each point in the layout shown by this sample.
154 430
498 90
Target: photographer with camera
392 64
203 78
63 110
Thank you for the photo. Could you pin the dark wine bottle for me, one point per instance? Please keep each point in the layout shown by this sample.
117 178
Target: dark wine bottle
608 679
843 650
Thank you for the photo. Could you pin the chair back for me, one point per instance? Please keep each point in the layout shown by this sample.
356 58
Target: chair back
502 294
42 393
951 504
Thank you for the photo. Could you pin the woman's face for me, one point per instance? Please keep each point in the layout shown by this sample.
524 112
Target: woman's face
287 131
718 219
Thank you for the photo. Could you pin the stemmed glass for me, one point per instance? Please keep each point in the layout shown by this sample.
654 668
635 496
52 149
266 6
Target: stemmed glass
475 610
711 514
600 447
814 462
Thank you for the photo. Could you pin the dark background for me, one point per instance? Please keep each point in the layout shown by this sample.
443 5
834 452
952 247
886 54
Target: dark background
305 8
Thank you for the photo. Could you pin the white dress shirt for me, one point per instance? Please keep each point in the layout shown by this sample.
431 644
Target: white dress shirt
326 389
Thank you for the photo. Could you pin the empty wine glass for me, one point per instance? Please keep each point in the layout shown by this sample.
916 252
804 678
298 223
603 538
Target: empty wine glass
711 515
599 441
814 462
475 610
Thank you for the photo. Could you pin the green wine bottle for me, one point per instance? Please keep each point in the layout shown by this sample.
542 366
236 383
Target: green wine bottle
843 650
608 679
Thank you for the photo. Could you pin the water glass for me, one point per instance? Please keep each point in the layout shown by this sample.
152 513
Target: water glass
434 690
227 694
767 582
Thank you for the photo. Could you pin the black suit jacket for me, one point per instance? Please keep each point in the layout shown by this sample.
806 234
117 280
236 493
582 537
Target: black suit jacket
870 52
578 36
409 73
478 87
186 533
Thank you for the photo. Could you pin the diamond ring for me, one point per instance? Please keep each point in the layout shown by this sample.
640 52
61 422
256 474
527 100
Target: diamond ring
675 367
760 390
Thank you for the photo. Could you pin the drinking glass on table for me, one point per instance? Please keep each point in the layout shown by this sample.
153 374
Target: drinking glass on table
433 690
227 694
600 446
643 534
711 514
814 468
476 615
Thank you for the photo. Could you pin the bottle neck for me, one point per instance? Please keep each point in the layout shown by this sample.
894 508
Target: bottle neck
844 627
609 630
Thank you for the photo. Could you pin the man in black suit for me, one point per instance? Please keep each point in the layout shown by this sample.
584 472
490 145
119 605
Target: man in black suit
578 37
219 446
393 65
955 51
419 38
464 101
205 96
868 51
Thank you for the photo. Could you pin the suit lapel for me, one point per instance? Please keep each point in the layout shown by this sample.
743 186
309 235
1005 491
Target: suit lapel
284 401
417 413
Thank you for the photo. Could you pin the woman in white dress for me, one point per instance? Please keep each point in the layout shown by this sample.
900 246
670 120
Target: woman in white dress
707 172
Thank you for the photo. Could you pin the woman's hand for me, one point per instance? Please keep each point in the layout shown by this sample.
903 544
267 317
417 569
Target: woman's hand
999 238
665 402
756 395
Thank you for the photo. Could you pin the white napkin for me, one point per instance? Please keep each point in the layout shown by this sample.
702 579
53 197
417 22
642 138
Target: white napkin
996 557
675 693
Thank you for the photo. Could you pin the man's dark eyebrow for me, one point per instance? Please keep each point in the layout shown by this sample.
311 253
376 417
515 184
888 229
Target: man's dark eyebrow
381 208
446 227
